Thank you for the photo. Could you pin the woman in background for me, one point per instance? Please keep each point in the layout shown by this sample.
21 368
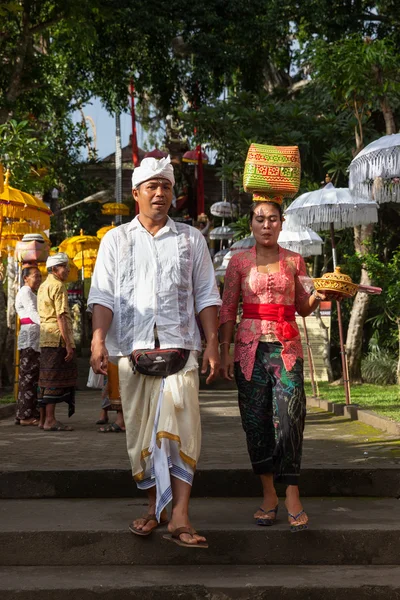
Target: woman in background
29 349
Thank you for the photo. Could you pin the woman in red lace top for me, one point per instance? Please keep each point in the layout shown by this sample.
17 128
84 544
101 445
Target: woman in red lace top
268 360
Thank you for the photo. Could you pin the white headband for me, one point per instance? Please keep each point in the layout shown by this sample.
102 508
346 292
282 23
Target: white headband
57 259
151 168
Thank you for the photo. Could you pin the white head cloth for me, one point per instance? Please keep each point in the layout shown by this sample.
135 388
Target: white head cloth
151 168
57 259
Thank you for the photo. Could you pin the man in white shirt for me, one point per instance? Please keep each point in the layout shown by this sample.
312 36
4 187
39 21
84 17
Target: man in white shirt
152 274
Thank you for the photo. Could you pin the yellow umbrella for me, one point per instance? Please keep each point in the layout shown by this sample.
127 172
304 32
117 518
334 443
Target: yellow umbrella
86 259
115 208
13 231
77 243
15 204
102 232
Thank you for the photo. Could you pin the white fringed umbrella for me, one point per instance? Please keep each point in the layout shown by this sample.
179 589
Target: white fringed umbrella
223 209
299 239
244 243
330 208
219 256
375 171
222 233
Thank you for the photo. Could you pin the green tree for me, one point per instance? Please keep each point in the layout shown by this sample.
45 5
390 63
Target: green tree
386 275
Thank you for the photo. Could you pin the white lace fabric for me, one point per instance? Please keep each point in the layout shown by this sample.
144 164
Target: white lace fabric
26 307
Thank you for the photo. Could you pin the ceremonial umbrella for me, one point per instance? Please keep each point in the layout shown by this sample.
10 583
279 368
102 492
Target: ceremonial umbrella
85 260
77 243
115 208
223 209
375 171
100 233
222 233
15 204
328 208
156 153
244 243
219 256
300 239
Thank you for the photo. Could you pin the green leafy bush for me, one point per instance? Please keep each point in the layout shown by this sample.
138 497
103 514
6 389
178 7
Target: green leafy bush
379 367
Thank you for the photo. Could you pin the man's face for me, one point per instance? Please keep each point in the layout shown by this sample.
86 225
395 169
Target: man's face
154 198
61 271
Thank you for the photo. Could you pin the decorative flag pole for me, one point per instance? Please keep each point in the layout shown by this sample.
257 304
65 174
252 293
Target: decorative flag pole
135 149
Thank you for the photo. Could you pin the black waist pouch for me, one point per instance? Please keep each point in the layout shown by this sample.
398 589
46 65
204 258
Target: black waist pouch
159 362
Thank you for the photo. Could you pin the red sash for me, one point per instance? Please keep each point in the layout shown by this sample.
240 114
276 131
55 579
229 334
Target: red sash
280 313
26 321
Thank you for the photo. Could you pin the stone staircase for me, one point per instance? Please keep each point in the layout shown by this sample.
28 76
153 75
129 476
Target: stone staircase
57 543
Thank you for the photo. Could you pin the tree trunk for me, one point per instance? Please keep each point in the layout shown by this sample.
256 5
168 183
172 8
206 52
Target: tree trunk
388 115
359 310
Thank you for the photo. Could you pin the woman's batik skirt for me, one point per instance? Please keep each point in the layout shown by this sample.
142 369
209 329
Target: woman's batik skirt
29 365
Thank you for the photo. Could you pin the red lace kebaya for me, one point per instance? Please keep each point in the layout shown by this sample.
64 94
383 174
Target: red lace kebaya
281 288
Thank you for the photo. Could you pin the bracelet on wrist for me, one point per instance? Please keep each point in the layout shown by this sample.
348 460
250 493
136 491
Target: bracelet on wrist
315 294
223 343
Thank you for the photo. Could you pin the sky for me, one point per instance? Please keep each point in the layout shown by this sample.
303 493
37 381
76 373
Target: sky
105 128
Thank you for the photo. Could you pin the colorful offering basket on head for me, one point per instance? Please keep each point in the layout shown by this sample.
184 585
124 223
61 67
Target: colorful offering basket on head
272 171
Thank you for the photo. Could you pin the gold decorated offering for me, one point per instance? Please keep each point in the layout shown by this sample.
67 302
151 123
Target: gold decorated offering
336 282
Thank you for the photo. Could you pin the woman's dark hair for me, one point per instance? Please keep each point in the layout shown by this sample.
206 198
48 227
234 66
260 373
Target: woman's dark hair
26 272
255 204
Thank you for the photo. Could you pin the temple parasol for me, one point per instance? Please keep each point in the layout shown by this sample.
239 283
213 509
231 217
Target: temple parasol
375 171
327 209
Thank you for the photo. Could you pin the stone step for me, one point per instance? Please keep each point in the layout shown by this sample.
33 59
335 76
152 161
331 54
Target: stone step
209 482
206 582
343 531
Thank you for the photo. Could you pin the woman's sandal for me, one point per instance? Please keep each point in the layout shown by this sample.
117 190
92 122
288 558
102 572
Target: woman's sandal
27 422
301 526
176 535
58 427
267 521
146 519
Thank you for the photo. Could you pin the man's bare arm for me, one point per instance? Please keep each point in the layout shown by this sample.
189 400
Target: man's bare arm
209 321
63 327
101 321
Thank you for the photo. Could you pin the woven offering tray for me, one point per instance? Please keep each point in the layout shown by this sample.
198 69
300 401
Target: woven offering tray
336 282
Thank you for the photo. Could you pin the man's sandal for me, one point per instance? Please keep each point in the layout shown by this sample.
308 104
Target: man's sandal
301 526
175 537
113 428
146 519
267 521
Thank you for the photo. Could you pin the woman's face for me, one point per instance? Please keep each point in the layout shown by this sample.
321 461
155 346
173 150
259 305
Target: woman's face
266 224
34 279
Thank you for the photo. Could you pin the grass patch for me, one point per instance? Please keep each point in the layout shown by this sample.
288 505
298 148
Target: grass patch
6 399
383 399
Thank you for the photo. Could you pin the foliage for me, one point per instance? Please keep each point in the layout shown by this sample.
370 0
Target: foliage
241 227
379 367
386 275
24 152
361 74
